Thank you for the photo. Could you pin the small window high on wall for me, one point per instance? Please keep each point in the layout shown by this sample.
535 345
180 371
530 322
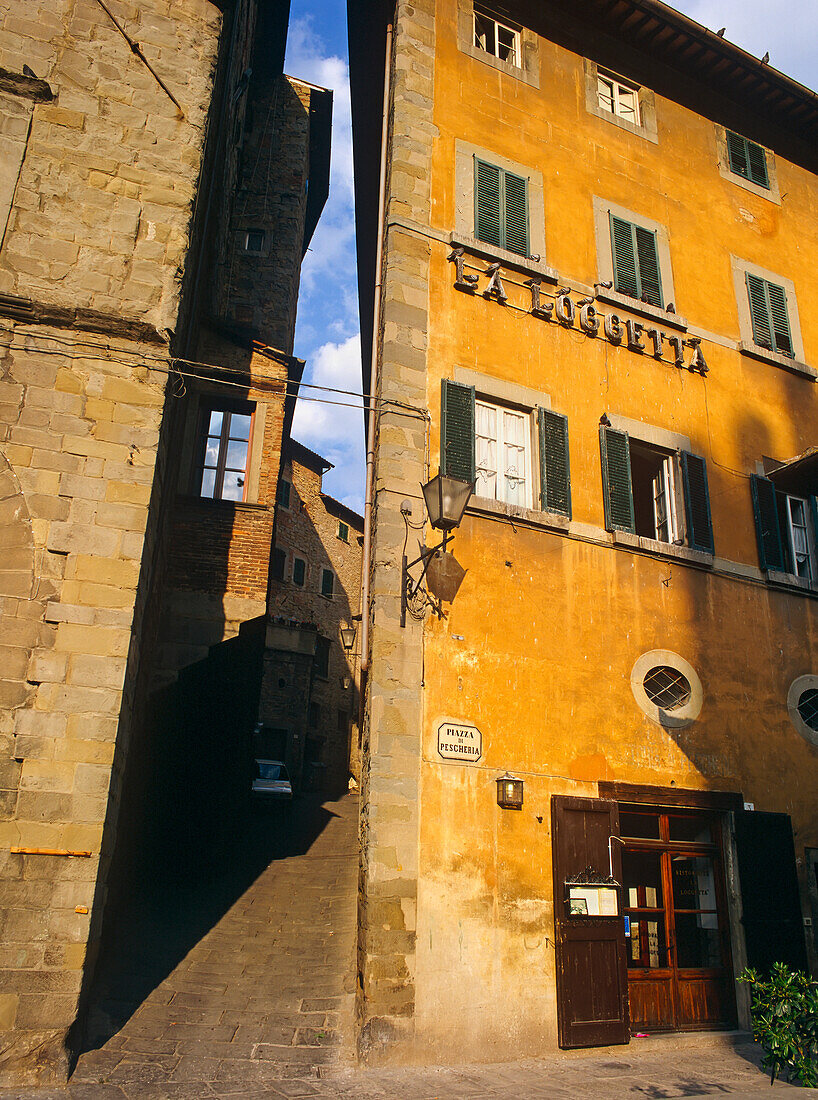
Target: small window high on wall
498 39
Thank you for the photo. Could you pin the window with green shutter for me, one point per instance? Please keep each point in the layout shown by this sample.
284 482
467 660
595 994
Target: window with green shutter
457 430
636 261
747 160
555 467
654 492
500 207
769 315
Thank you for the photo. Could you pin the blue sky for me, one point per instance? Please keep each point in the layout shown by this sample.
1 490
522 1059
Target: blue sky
327 330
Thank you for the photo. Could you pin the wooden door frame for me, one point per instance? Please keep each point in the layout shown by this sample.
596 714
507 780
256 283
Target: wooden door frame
714 850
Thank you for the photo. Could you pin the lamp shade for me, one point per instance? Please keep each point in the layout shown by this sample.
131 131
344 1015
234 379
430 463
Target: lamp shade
446 499
510 792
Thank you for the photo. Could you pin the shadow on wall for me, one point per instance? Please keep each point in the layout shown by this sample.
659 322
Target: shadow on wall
202 841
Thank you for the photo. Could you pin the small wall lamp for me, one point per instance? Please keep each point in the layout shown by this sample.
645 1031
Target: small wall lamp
348 637
510 792
446 499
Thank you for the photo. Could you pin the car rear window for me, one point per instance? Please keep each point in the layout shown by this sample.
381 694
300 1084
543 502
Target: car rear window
271 771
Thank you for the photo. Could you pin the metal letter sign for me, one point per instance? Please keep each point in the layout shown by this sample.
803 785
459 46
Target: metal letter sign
461 743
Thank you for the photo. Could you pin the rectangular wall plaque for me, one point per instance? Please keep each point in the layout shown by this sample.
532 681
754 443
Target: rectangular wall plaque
459 742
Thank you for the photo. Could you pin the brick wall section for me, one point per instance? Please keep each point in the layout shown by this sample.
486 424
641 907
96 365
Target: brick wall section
219 552
98 215
308 529
392 733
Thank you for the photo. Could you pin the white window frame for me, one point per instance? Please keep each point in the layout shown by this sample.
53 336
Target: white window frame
806 526
664 491
617 87
507 480
497 26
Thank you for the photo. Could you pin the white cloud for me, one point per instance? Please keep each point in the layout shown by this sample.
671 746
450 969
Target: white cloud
327 331
332 423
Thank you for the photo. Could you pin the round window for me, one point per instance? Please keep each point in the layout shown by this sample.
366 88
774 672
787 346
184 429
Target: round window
667 687
808 707
802 705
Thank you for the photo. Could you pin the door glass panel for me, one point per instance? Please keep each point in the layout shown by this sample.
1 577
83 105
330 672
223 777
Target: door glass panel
645 826
697 940
691 827
642 879
647 949
693 882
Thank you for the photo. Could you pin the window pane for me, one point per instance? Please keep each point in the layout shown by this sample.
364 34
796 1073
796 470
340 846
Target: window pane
628 102
506 45
211 452
484 33
605 93
648 946
215 425
642 879
208 483
486 451
694 884
691 828
240 425
233 487
640 825
514 464
697 940
236 456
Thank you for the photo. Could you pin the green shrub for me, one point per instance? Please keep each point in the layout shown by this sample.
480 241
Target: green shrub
784 1009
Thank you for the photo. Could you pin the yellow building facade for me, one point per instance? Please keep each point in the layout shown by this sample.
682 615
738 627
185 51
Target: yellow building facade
593 289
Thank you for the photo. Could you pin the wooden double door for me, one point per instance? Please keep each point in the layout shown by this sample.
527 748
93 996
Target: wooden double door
677 943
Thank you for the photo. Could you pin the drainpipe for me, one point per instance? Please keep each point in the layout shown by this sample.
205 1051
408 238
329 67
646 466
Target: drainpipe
373 380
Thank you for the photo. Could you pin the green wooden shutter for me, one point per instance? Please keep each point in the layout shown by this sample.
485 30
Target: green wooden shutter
624 257
757 164
555 467
457 430
813 506
737 154
488 223
616 480
769 315
762 333
697 502
515 213
782 337
768 528
647 254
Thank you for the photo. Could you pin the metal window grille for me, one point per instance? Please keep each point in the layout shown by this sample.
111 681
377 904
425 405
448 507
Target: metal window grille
666 687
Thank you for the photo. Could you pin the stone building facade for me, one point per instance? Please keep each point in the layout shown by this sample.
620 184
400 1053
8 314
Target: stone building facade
129 139
595 296
309 697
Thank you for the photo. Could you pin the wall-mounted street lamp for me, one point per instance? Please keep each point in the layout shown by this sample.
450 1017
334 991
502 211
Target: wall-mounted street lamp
446 499
510 792
348 637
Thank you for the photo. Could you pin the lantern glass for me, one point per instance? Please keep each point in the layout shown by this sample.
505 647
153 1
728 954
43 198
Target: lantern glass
510 792
446 499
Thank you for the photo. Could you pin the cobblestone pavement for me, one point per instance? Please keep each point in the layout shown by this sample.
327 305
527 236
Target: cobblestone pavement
255 1000
266 992
653 1070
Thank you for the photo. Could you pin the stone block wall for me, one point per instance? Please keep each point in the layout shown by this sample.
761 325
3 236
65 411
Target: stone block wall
100 169
393 718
